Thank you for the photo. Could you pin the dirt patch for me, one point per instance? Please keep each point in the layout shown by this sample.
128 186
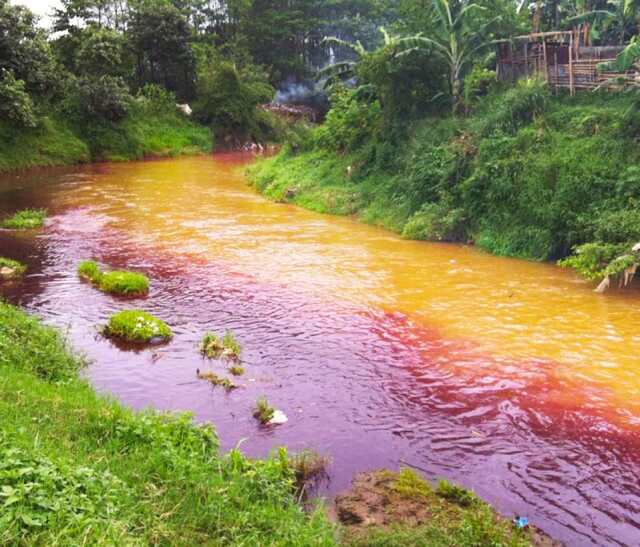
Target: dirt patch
383 500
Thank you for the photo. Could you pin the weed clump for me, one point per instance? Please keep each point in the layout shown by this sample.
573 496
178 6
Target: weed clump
263 411
10 269
216 380
236 370
27 219
213 347
456 494
309 467
116 282
89 270
410 485
137 326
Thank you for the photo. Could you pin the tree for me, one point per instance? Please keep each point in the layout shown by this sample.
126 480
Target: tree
401 73
462 31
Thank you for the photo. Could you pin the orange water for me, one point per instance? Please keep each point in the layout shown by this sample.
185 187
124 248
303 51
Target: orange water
513 377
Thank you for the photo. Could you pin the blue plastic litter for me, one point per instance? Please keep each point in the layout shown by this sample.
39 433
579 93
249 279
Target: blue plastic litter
521 522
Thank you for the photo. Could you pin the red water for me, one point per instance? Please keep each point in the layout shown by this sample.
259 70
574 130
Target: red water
341 332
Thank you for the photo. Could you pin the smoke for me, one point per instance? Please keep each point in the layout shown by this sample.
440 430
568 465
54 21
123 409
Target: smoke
297 93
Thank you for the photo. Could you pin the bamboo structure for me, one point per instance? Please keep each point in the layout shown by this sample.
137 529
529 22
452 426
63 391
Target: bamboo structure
561 58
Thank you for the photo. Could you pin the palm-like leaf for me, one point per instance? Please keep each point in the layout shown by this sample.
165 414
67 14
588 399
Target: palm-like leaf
625 59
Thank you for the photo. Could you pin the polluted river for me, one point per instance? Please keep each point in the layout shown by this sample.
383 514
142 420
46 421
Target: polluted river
509 377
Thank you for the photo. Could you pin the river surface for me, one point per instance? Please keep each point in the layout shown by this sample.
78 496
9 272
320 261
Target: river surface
512 378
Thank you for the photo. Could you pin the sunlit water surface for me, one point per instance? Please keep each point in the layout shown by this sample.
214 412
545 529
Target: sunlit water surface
510 377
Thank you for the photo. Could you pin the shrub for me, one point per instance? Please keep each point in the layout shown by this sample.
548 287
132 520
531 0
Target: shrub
227 101
517 107
16 105
105 98
591 260
435 222
456 494
263 411
137 326
477 84
11 268
349 123
26 219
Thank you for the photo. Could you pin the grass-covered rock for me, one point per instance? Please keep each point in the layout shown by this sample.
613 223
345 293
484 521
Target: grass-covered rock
120 282
27 219
137 326
10 269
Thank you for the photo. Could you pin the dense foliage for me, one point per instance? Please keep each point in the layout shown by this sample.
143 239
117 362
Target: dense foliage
525 175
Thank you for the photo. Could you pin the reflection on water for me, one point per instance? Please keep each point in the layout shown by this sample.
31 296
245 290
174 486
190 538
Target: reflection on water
510 377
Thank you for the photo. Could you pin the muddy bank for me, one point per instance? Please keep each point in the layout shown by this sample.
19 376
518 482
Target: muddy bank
387 508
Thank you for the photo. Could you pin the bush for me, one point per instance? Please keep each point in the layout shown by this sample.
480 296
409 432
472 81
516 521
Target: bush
227 101
104 98
477 84
137 326
350 122
435 222
515 108
16 105
591 260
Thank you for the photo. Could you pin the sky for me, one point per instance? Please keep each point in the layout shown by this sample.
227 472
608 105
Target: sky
43 8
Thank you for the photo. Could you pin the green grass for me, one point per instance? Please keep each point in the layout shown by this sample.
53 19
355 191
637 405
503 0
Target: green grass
125 283
52 143
120 282
89 270
27 219
77 468
137 326
10 269
143 133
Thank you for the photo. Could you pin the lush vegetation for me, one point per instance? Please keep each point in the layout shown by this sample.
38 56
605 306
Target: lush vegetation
76 467
525 174
27 219
137 326
120 282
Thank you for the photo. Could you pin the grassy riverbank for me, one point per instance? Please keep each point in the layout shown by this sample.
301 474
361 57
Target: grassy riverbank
76 467
526 174
143 133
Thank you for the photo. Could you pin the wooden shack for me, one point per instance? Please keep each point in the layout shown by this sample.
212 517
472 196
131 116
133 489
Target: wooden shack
561 58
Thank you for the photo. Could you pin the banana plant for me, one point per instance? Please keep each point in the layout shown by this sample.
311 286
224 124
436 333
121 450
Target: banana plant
462 30
346 70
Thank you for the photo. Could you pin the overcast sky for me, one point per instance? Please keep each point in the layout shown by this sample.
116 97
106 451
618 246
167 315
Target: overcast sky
41 7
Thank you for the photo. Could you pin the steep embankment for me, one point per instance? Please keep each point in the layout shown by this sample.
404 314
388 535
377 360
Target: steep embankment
527 175
141 134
